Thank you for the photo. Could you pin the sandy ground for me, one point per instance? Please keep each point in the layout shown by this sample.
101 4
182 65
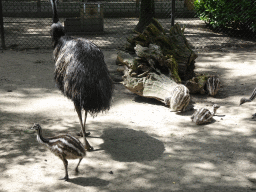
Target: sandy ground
139 144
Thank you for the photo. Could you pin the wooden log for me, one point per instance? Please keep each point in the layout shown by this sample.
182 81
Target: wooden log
153 85
157 65
160 87
173 45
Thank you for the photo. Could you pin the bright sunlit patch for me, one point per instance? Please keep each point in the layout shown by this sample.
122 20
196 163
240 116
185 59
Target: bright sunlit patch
33 102
205 172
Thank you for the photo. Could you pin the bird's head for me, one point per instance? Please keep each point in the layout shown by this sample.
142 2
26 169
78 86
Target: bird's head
36 127
215 106
244 100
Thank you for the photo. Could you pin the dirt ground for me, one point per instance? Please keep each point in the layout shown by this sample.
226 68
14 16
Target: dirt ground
139 144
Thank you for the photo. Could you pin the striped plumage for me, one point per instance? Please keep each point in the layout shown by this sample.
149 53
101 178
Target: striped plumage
203 115
179 99
213 85
250 99
80 72
63 146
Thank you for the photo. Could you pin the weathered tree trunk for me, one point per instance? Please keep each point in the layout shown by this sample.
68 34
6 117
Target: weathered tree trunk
143 77
147 13
153 85
176 51
157 64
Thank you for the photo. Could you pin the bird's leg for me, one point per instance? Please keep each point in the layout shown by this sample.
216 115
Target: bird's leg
87 145
65 162
78 165
85 117
78 111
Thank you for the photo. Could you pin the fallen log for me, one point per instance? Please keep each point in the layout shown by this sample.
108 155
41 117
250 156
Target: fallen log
173 45
155 63
160 87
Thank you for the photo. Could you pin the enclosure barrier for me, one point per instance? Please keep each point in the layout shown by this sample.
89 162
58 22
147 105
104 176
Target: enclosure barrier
26 23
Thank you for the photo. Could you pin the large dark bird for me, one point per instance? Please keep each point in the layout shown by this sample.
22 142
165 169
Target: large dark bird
80 72
63 146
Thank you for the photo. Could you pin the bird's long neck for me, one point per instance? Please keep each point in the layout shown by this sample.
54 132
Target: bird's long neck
253 95
247 100
55 18
40 137
214 109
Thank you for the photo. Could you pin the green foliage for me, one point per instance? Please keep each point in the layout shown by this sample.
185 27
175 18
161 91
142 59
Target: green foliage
235 14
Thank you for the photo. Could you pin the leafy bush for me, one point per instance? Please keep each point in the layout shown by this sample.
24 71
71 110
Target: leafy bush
235 14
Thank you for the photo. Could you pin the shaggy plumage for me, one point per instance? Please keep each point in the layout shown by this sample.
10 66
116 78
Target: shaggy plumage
80 72
82 75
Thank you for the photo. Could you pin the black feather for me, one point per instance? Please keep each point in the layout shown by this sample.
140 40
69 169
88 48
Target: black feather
82 75
80 70
57 31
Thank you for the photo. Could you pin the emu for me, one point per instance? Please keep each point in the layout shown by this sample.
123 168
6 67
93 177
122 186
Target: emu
250 99
213 85
63 146
203 115
80 73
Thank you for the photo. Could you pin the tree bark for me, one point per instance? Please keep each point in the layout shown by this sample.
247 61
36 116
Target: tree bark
147 13
157 62
176 53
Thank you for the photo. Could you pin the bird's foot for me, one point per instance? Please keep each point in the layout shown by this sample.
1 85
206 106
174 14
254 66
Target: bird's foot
77 171
81 134
66 178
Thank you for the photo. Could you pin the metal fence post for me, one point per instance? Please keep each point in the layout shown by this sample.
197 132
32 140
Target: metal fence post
173 13
38 6
2 25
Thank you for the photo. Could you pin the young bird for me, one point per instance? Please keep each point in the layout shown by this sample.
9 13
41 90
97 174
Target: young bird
252 97
213 85
63 146
203 115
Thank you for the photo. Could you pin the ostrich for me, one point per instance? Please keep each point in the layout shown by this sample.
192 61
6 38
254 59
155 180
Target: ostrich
80 73
63 146
252 97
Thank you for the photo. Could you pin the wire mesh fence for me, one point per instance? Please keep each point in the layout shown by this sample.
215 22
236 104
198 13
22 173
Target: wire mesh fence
106 23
